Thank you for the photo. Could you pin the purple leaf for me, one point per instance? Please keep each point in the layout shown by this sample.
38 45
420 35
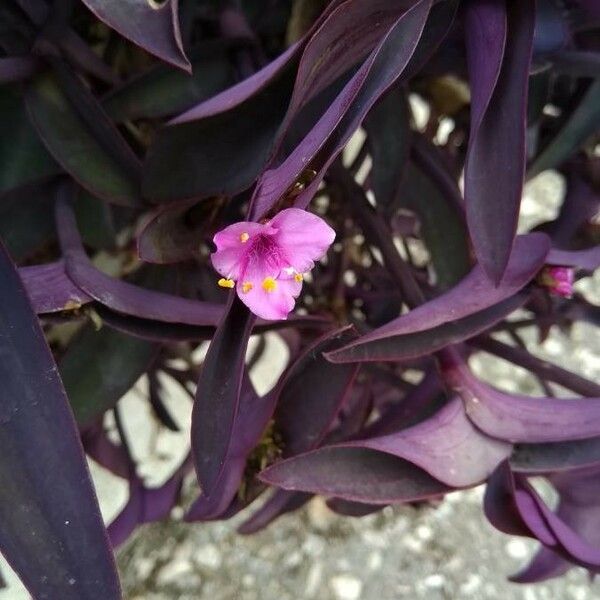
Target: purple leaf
146 505
94 385
303 419
454 315
122 296
312 393
250 421
319 148
108 171
106 453
50 290
517 418
356 474
580 511
52 533
166 235
554 457
589 259
17 68
499 39
577 128
446 446
218 396
154 27
280 503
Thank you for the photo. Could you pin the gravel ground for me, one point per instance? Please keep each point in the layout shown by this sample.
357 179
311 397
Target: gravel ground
448 551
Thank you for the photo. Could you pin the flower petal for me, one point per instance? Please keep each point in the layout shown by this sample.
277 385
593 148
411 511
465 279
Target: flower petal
302 236
232 247
264 293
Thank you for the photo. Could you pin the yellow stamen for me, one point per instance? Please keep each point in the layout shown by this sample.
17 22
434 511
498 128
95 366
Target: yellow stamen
269 284
247 286
226 283
298 277
244 237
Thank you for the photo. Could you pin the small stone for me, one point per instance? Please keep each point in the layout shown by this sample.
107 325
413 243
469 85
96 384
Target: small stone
516 549
208 556
424 533
375 561
313 580
434 581
172 571
346 587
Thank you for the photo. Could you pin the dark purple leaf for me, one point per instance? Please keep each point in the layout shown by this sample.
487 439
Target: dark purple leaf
517 418
26 222
446 446
122 296
471 305
17 68
552 457
429 192
355 474
391 347
330 134
170 234
220 146
499 37
95 384
312 393
50 290
280 503
23 158
153 26
163 91
580 510
389 139
589 259
106 453
218 395
580 125
52 532
77 148
147 505
250 420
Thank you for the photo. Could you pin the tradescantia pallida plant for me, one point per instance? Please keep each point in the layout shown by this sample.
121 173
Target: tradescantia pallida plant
199 145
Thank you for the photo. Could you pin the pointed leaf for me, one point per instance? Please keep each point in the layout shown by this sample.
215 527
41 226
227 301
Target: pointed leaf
218 395
473 304
329 135
75 147
354 474
23 157
446 446
581 124
52 533
499 40
153 26
163 91
99 367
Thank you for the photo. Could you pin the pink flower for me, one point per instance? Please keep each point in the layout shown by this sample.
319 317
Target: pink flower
266 262
558 280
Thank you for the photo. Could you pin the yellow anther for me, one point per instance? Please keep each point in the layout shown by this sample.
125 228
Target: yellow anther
226 283
298 277
269 284
244 237
246 286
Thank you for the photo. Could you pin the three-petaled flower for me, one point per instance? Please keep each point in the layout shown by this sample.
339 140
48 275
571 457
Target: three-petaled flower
265 262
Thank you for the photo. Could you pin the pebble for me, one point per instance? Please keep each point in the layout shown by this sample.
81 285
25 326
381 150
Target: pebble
346 587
